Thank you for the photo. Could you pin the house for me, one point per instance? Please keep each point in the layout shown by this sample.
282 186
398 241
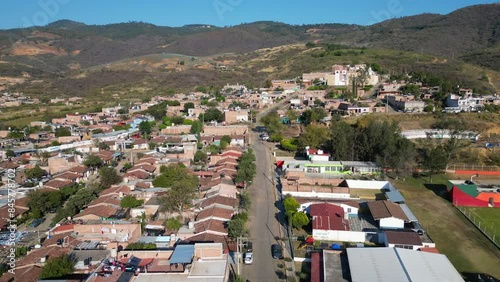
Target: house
388 214
329 222
468 103
237 116
141 144
100 212
57 184
219 201
403 239
6 214
211 226
397 264
59 164
215 213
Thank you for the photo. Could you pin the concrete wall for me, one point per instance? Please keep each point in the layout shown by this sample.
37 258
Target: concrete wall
318 195
339 235
393 223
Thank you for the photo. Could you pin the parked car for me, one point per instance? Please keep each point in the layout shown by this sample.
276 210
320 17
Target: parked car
248 258
277 251
249 247
36 222
265 138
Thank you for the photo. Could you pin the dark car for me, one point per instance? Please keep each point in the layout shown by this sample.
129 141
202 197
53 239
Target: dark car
277 251
249 247
36 222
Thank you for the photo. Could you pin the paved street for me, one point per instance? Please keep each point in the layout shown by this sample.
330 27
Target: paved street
263 223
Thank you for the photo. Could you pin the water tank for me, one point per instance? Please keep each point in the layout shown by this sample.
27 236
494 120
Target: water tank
114 253
120 195
43 259
191 225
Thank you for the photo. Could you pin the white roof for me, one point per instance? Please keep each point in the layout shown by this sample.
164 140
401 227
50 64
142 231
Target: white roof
395 264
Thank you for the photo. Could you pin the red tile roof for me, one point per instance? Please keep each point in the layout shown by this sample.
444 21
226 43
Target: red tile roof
211 225
143 185
429 250
64 228
26 274
211 238
35 255
79 169
106 200
116 190
328 217
138 173
144 166
57 184
386 209
67 176
52 241
215 212
403 238
100 211
219 200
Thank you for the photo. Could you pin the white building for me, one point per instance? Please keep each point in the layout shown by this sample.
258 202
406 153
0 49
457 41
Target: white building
388 214
396 264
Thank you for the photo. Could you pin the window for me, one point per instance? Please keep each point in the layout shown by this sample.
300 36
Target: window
348 209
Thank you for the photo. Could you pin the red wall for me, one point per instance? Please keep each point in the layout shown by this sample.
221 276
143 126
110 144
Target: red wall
480 172
461 199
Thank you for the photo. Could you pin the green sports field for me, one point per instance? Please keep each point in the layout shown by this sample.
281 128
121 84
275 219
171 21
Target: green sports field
489 218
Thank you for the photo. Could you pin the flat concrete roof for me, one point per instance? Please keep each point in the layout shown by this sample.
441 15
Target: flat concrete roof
335 266
208 269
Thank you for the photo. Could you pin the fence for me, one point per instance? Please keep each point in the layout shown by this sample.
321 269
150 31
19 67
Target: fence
465 167
489 232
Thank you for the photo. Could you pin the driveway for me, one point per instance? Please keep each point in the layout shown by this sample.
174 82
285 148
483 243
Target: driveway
264 225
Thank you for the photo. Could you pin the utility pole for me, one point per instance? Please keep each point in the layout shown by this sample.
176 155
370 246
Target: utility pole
239 242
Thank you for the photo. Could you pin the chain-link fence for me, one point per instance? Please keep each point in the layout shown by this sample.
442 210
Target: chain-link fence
487 228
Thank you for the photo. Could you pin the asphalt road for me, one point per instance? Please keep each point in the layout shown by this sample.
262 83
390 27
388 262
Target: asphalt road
264 225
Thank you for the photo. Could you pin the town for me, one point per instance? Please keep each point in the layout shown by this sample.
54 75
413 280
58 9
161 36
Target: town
210 186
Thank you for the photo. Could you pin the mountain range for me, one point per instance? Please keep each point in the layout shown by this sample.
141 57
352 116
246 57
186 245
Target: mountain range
66 49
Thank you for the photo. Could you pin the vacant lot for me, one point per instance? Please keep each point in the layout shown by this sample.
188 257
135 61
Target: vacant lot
488 219
466 247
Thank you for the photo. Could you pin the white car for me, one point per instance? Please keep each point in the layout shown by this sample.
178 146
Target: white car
265 138
248 258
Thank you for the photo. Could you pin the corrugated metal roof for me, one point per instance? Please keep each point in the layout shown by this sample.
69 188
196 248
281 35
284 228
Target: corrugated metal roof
182 254
409 214
398 265
395 197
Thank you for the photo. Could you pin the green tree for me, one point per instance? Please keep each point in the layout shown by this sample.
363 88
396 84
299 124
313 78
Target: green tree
145 128
178 197
289 144
9 153
157 111
35 173
187 106
200 156
62 131
16 134
172 224
246 167
313 115
58 267
300 219
272 122
177 120
291 205
236 228
196 128
130 201
434 160
292 115
108 177
92 161
226 138
212 114
341 141
314 136
175 173
245 200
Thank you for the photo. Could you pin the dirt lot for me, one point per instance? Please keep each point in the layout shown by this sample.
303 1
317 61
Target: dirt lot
467 248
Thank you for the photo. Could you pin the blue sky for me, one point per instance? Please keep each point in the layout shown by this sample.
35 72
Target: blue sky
23 13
